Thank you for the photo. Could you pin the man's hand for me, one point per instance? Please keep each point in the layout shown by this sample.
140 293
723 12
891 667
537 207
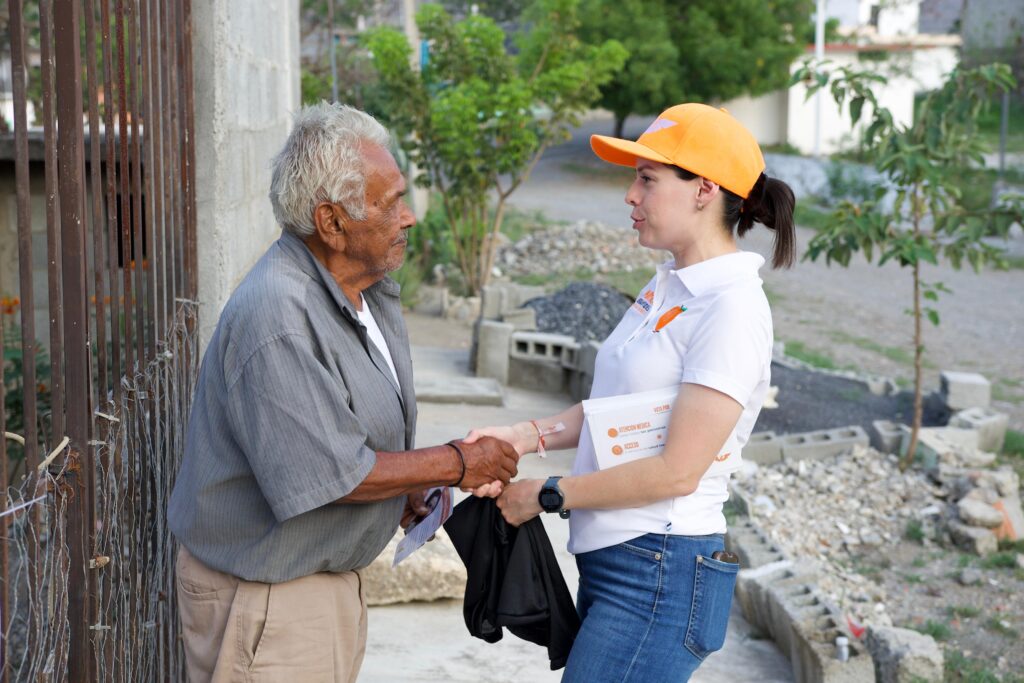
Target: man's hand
415 508
488 460
519 503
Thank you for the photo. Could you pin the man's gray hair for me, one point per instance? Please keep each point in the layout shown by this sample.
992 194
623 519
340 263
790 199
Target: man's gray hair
322 162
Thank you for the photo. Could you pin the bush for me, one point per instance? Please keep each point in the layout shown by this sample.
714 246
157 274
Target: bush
14 389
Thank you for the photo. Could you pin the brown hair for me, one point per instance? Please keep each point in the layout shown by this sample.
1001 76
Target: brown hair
769 203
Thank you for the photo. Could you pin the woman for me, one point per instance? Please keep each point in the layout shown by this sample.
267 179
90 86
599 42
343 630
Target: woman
655 591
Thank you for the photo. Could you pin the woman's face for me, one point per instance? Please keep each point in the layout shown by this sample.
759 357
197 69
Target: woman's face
662 202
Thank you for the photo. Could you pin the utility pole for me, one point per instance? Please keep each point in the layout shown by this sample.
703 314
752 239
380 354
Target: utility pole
819 55
334 50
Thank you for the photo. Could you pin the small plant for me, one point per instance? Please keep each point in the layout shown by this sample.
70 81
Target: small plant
927 218
1014 443
799 351
936 629
914 531
959 667
919 562
1002 560
963 611
1002 627
913 578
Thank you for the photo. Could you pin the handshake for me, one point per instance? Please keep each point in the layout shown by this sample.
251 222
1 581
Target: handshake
491 456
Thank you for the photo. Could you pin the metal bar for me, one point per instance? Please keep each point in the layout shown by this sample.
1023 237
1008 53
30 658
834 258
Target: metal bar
24 212
167 157
155 131
19 69
4 536
53 234
176 138
96 191
125 198
188 92
145 81
135 168
109 104
71 159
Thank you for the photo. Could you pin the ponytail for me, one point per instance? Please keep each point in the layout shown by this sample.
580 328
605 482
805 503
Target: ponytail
770 203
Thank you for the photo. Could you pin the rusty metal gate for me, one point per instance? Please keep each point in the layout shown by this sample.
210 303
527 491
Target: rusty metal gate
98 334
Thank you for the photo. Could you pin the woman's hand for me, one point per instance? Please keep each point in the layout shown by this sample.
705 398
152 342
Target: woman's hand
522 435
519 503
519 435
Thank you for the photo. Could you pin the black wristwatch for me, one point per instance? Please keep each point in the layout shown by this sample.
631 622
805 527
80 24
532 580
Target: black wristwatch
552 499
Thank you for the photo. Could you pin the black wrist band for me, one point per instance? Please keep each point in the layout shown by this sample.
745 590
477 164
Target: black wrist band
462 460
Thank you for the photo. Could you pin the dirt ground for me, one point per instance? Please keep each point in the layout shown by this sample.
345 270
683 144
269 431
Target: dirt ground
979 626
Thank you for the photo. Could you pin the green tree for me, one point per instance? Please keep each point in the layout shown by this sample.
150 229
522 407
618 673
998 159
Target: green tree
700 50
476 119
920 161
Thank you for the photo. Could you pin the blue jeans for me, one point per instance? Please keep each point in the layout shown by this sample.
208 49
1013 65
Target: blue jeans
652 609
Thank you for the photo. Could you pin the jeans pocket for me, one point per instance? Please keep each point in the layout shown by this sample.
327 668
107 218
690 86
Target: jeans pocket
713 585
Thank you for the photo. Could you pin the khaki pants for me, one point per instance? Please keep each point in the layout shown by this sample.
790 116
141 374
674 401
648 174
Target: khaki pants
307 630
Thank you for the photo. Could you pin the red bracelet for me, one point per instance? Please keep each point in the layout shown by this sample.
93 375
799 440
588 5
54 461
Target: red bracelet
540 439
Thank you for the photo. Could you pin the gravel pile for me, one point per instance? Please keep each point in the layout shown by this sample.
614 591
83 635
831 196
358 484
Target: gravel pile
830 511
583 310
582 245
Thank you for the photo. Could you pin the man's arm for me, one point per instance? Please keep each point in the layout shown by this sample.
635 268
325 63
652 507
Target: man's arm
403 472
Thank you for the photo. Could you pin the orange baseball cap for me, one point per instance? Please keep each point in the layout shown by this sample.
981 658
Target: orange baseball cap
697 138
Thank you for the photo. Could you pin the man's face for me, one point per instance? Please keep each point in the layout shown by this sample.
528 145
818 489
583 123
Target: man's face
378 241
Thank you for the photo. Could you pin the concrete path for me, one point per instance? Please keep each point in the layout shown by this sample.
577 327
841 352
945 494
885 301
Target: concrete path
424 642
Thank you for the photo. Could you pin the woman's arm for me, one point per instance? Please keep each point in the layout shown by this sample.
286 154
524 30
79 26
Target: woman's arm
702 419
525 438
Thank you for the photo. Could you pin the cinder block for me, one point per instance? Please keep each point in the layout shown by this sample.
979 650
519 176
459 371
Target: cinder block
492 302
937 444
823 443
886 436
540 346
753 547
540 375
524 319
492 352
764 448
964 390
587 357
517 295
752 591
878 385
431 300
990 425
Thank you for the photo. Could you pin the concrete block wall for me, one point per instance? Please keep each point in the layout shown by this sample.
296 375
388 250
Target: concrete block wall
780 598
823 443
246 90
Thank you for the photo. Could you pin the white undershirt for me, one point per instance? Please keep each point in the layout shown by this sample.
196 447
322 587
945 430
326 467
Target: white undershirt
366 318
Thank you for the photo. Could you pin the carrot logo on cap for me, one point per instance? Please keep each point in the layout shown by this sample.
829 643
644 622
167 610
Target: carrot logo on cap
659 124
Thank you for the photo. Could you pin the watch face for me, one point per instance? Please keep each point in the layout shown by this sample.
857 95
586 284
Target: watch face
550 500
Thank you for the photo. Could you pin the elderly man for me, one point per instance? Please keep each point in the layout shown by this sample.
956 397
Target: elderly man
298 463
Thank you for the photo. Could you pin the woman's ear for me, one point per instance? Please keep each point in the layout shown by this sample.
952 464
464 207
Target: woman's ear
706 191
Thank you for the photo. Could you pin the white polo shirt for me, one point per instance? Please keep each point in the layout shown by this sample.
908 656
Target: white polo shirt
722 340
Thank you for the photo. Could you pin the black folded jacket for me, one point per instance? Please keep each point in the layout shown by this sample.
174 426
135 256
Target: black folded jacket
513 580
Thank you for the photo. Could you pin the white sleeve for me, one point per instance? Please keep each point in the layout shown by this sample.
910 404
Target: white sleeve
731 347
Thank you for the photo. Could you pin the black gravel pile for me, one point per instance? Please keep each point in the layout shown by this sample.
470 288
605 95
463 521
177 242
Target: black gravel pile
810 400
583 310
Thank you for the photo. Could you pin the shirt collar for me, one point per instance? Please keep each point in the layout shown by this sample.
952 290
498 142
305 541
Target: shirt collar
716 273
296 249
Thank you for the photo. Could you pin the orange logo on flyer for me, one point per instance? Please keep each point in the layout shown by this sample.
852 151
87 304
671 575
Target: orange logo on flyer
616 450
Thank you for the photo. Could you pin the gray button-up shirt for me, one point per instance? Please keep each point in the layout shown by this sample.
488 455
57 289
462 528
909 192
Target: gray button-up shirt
292 403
